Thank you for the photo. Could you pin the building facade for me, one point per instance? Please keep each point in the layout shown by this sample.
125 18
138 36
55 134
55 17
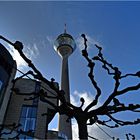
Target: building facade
29 113
7 74
14 108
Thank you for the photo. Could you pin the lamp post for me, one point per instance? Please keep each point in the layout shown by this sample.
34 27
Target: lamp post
64 46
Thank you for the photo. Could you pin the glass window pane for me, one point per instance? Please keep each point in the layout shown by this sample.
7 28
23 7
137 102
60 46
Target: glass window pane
29 112
27 125
0 85
34 112
24 111
28 118
32 124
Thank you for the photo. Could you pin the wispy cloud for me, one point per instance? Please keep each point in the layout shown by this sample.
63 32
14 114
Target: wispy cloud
91 42
50 40
75 99
16 56
31 51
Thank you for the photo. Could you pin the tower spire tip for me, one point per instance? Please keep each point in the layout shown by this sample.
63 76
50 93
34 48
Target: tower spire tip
65 28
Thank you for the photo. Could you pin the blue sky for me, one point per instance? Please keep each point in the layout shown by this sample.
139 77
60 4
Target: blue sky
113 25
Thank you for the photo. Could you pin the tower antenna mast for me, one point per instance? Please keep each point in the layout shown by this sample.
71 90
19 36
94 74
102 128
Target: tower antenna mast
65 28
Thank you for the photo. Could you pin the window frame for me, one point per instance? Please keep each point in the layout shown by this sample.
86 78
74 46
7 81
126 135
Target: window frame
28 117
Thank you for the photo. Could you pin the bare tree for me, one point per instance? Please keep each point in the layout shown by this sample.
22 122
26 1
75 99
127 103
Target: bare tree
13 131
129 136
90 116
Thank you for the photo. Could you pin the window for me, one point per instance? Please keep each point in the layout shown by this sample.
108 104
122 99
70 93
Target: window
62 136
28 118
5 64
1 85
1 93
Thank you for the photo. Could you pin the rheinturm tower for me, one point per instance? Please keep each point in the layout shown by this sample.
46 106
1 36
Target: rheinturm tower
65 45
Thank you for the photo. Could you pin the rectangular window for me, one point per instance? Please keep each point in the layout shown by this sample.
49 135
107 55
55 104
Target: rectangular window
1 94
1 85
28 118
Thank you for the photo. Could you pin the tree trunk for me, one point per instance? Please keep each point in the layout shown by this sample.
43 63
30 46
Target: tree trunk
83 133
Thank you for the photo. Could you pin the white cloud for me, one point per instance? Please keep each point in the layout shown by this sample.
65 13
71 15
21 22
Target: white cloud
91 42
75 130
47 42
50 40
16 56
31 51
92 130
75 99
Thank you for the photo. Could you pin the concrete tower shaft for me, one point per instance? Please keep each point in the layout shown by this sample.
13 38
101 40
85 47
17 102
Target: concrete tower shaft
64 126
